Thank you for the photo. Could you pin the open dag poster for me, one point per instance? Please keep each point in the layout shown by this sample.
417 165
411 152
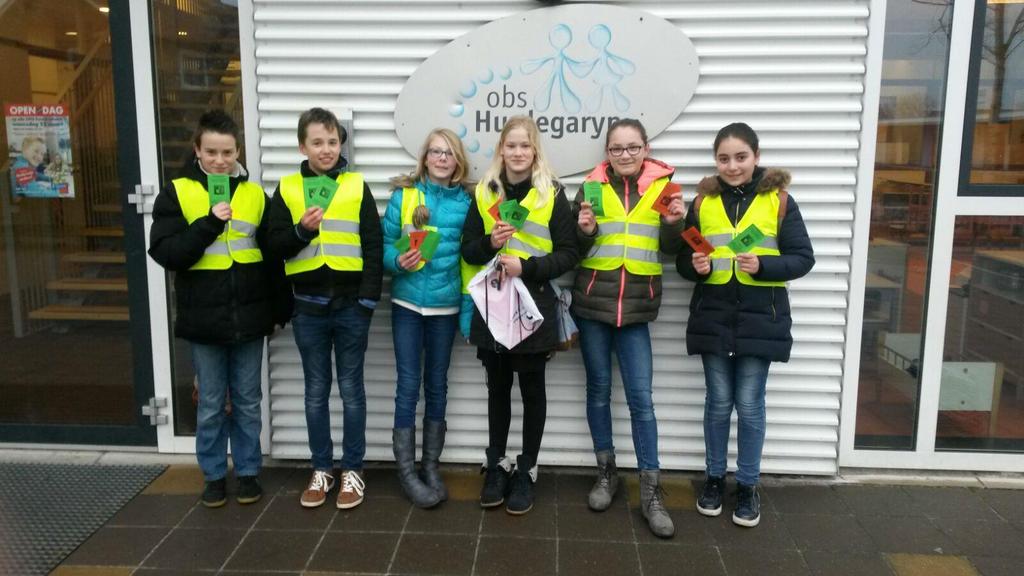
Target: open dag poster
39 146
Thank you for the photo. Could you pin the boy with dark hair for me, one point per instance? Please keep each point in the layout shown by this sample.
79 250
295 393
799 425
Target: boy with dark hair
324 223
209 227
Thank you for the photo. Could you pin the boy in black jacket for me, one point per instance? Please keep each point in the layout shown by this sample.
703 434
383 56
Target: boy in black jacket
209 227
324 222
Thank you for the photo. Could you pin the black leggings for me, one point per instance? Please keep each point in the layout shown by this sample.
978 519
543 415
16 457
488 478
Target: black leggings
499 406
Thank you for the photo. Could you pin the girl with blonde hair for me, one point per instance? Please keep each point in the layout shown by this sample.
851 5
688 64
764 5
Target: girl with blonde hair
540 250
426 297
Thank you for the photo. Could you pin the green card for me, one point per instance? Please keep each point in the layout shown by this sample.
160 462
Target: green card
592 193
319 191
219 188
747 240
402 244
512 213
429 245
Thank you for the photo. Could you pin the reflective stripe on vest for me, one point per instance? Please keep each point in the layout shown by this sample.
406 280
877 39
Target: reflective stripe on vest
237 243
338 245
630 240
719 231
532 240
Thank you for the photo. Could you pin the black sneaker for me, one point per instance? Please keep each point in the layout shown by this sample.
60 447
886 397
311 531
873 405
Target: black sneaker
709 503
495 488
249 490
215 494
748 506
520 495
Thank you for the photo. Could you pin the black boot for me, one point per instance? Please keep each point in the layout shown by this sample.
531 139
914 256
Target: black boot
433 444
498 469
520 496
404 445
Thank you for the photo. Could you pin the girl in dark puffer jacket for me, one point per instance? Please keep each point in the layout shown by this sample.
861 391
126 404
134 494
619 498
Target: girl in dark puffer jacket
739 315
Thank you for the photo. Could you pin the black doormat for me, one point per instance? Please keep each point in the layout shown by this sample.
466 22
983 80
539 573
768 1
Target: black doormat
48 510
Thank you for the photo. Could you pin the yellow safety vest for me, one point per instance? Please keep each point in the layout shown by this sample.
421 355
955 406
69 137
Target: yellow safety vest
237 243
338 245
533 239
719 231
411 198
630 240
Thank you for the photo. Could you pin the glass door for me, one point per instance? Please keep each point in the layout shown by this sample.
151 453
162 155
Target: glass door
193 56
981 392
939 381
74 315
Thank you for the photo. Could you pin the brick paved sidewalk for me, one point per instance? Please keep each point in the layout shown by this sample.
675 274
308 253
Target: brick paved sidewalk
806 528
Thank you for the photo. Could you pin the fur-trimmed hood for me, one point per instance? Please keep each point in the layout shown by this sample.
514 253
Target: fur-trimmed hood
771 179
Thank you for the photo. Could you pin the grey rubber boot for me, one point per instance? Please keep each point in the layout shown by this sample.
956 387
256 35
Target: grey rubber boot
404 444
652 506
607 482
433 444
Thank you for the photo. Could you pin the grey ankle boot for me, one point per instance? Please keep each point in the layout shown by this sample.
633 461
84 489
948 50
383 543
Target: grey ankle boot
607 482
652 505
433 444
404 444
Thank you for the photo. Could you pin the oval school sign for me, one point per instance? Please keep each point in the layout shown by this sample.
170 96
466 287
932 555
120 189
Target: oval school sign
574 69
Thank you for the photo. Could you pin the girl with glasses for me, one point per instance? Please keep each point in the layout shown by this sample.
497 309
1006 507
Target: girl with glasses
425 303
739 315
616 294
542 250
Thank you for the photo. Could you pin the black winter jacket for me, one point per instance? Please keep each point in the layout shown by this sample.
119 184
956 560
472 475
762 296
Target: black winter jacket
229 306
287 239
618 297
537 272
736 319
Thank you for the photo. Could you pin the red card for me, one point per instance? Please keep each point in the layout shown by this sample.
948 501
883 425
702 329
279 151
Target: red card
416 238
494 211
665 198
696 241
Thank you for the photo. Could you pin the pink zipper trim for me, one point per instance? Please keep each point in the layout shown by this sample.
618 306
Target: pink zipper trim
593 278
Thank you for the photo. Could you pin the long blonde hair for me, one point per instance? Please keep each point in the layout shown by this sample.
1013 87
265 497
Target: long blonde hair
542 178
460 177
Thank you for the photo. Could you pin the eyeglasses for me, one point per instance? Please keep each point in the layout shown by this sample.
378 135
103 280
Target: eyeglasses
633 150
437 153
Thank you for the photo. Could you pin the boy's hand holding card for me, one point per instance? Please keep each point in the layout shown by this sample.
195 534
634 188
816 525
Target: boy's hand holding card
319 191
693 237
593 194
219 188
746 240
663 203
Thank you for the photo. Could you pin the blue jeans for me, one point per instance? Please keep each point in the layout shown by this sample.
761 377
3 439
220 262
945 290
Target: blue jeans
632 346
735 381
346 330
423 350
234 369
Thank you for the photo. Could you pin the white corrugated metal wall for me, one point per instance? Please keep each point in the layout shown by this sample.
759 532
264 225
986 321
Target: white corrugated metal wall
793 69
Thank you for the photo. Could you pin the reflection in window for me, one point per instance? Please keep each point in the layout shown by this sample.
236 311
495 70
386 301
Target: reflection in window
981 402
997 155
910 112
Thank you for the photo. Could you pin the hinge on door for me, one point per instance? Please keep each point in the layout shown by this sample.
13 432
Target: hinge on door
139 198
152 409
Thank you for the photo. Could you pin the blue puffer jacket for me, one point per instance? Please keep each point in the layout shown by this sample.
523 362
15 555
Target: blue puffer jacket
438 284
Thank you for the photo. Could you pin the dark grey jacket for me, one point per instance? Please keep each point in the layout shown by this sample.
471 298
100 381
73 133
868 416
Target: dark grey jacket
618 297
